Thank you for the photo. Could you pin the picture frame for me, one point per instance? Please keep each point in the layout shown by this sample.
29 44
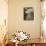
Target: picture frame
28 13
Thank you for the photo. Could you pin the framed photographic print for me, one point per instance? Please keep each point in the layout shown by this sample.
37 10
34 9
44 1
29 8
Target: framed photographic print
28 13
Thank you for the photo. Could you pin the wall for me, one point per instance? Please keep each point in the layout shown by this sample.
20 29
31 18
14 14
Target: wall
16 21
